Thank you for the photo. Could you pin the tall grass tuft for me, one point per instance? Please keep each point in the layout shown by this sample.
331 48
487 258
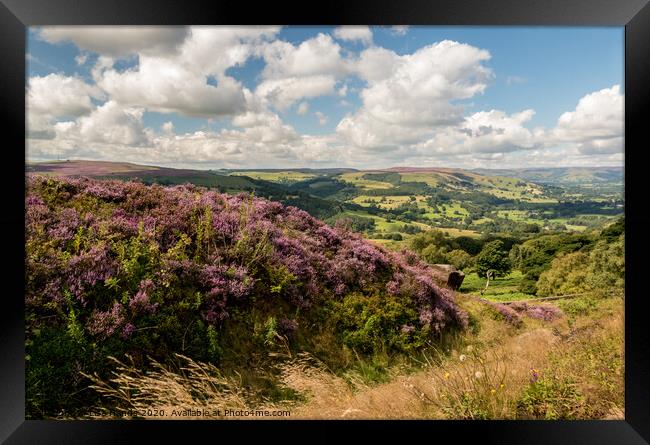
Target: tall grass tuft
165 390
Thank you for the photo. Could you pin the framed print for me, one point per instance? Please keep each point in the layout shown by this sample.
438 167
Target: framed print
378 216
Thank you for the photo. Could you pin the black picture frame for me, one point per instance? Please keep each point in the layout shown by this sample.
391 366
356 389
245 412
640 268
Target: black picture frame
16 15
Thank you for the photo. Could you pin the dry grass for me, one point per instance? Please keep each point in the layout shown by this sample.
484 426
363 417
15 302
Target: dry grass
491 374
584 377
168 393
471 384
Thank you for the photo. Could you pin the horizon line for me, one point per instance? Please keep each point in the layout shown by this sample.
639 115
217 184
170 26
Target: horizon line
27 162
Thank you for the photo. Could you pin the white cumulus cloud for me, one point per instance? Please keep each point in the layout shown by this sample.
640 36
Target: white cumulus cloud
597 123
414 94
116 41
294 72
354 33
281 93
190 81
60 95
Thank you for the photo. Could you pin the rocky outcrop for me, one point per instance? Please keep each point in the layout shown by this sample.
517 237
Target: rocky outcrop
447 275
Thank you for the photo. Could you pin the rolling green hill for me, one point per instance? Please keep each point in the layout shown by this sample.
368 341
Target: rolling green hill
561 175
391 205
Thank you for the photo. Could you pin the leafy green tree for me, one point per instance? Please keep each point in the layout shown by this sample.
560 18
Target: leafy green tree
493 260
567 274
431 237
433 254
601 271
461 259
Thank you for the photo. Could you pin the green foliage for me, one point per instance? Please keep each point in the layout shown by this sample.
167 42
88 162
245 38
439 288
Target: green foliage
214 348
551 398
74 328
602 270
139 258
392 178
493 257
371 324
204 233
574 307
528 286
461 259
434 254
429 238
55 357
437 248
470 245
280 279
266 331
534 256
613 231
566 275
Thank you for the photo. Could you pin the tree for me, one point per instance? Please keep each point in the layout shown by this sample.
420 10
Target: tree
461 259
493 260
433 254
430 237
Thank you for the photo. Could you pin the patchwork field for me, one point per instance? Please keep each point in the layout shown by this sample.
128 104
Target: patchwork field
283 177
364 184
399 200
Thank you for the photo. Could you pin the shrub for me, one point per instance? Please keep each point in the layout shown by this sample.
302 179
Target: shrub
551 398
461 259
378 323
602 270
546 312
151 271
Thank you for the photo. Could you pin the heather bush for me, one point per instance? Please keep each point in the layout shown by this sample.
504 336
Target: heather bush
504 312
546 312
115 268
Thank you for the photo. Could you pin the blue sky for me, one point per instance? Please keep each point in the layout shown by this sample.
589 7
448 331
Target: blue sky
320 106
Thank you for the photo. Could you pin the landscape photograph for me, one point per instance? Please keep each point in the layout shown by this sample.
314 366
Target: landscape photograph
310 222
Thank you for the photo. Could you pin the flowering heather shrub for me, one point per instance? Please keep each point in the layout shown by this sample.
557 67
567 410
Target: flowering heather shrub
546 312
508 313
105 323
152 270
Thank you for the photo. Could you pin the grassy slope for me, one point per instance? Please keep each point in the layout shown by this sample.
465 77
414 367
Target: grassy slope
571 368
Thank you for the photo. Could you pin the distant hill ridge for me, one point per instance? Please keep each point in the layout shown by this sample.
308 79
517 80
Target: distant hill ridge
95 168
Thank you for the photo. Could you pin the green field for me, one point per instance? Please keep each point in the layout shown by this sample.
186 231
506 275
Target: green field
364 184
500 289
514 215
459 202
283 177
387 202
